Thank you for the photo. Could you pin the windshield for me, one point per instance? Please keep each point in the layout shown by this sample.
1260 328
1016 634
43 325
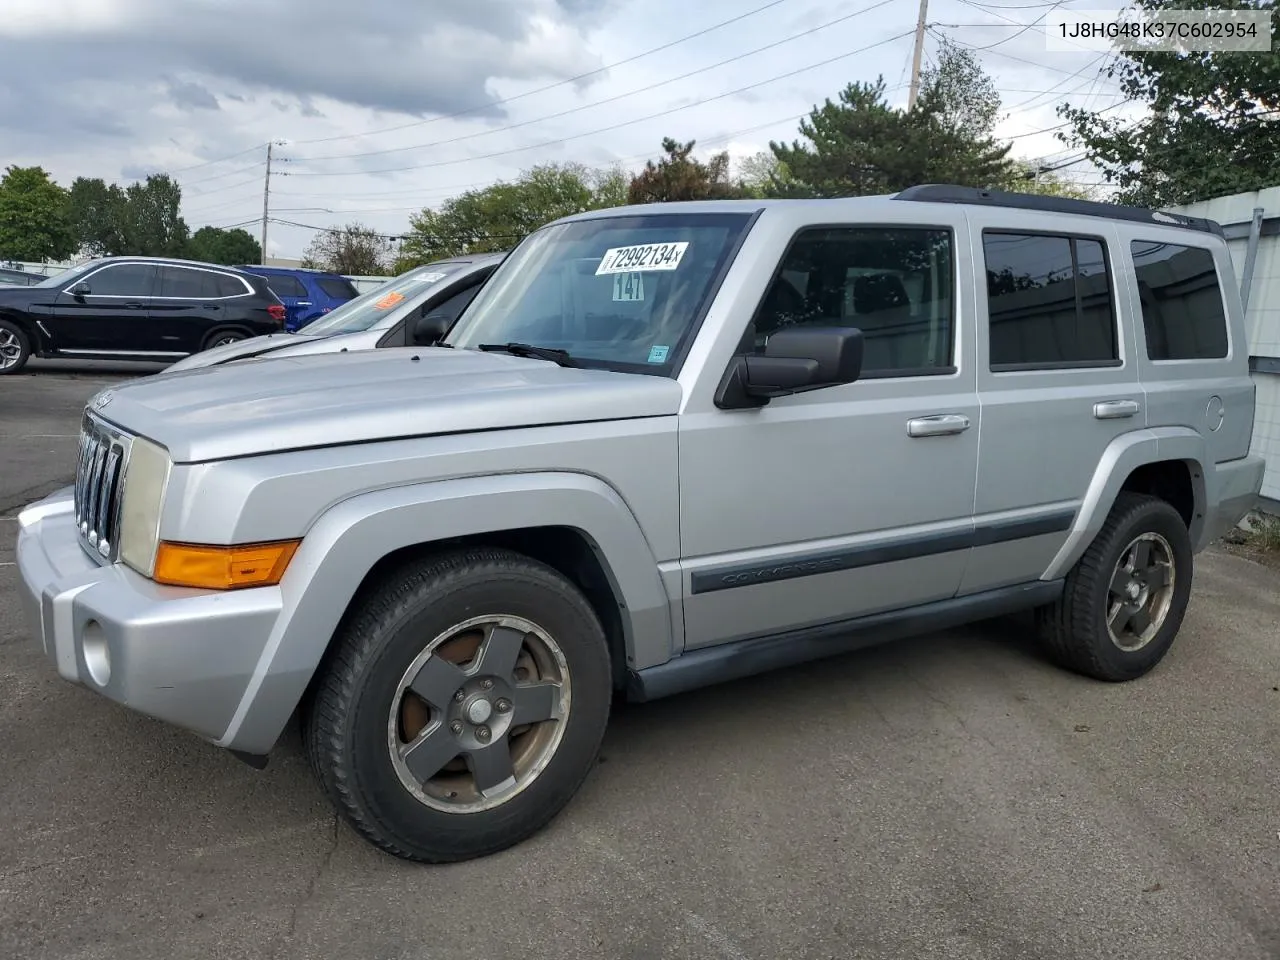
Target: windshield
364 312
67 276
619 292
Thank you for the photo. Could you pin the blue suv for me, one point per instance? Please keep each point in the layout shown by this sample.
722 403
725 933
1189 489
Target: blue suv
306 294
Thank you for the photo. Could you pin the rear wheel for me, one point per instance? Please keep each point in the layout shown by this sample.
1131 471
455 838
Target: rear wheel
15 348
221 337
1125 599
462 707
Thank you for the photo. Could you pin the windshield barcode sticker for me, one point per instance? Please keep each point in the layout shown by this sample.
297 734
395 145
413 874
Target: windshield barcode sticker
644 256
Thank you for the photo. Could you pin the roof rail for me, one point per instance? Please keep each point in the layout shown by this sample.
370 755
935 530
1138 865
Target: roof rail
947 193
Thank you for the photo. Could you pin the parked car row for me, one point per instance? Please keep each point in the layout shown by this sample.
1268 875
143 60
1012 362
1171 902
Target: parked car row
197 314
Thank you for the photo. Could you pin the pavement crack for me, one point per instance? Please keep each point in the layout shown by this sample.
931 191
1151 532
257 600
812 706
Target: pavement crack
950 710
309 893
31 494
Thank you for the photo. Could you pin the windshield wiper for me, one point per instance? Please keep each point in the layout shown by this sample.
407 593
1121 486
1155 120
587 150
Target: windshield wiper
561 357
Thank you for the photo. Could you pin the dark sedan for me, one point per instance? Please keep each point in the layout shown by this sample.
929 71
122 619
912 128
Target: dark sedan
20 278
134 308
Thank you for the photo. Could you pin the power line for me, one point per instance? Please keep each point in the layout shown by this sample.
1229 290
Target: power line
209 163
598 103
551 86
1024 28
608 129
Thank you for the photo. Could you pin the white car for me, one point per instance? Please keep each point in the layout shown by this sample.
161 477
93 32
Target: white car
383 317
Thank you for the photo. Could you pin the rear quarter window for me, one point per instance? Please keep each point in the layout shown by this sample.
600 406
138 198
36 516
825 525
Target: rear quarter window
339 288
1182 309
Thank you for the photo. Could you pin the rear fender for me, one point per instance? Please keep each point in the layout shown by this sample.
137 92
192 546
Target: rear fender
1125 454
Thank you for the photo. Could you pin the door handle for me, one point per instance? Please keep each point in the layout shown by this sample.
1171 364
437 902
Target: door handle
1115 409
942 425
133 304
304 303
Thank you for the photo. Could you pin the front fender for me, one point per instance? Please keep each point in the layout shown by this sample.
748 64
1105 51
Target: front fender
348 539
1124 455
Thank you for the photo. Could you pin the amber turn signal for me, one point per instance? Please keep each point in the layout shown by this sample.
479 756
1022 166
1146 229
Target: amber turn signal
223 568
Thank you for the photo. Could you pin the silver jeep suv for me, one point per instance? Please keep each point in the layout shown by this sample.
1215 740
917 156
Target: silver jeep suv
665 446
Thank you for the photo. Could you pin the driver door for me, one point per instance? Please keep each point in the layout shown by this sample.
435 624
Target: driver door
112 316
851 500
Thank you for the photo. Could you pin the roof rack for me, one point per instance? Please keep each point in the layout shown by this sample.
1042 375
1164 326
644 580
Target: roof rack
948 193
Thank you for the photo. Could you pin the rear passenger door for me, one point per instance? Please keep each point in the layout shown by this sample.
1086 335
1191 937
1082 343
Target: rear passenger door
854 499
190 302
293 294
1057 382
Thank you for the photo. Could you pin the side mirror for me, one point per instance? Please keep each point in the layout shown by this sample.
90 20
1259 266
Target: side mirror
80 289
794 361
431 328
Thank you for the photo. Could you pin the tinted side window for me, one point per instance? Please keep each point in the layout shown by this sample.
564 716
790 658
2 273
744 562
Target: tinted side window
339 288
454 306
229 286
185 284
894 284
125 280
287 286
1181 301
1049 301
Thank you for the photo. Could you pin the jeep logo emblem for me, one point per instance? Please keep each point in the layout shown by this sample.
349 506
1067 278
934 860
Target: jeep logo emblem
101 400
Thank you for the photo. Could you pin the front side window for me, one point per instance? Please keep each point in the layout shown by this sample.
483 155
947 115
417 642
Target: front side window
618 292
1181 301
284 285
892 283
1049 302
124 280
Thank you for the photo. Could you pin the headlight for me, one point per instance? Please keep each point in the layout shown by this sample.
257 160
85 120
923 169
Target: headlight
145 479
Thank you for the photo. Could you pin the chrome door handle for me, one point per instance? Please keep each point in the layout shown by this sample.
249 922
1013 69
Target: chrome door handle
1115 409
942 425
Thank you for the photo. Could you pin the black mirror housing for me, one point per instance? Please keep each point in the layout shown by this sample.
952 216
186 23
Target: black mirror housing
794 361
430 329
79 289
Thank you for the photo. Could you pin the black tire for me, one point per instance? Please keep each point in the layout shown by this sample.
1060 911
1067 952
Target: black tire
1075 630
347 723
224 335
13 336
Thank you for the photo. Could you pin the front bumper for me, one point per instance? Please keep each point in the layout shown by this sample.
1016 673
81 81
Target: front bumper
183 656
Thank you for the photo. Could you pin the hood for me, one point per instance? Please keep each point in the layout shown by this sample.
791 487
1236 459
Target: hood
253 347
268 405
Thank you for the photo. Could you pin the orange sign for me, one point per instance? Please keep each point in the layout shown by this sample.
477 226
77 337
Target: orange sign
389 301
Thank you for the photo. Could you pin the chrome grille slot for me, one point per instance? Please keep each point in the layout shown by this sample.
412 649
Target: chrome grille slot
98 487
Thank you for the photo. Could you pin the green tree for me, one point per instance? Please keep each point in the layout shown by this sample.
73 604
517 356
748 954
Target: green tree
1210 126
33 216
151 222
216 245
96 212
861 145
757 172
354 249
680 176
497 217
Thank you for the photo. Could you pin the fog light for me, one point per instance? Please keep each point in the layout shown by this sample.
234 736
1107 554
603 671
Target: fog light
97 655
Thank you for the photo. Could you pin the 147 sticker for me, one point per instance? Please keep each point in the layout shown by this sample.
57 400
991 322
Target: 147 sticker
644 256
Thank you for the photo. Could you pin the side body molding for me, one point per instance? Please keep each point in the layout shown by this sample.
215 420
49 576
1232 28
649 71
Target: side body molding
348 539
1125 454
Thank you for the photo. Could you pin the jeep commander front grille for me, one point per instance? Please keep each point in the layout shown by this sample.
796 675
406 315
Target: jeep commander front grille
98 489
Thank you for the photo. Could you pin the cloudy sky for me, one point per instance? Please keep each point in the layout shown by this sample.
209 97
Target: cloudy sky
386 106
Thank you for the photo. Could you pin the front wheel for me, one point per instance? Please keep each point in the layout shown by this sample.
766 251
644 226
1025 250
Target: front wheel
462 707
15 348
1125 599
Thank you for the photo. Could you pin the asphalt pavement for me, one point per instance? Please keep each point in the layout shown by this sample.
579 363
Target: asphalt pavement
952 796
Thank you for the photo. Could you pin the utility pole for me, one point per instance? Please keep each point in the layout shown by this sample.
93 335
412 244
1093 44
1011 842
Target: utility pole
266 202
915 57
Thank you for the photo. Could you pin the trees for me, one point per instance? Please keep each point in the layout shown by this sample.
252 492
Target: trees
151 221
861 145
1047 184
497 217
96 213
354 249
680 176
216 245
1210 127
33 216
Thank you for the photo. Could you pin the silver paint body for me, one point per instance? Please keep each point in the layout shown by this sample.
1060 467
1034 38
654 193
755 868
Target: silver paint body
362 454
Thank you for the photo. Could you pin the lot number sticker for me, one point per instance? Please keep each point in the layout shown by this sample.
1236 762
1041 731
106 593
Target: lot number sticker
628 286
644 256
